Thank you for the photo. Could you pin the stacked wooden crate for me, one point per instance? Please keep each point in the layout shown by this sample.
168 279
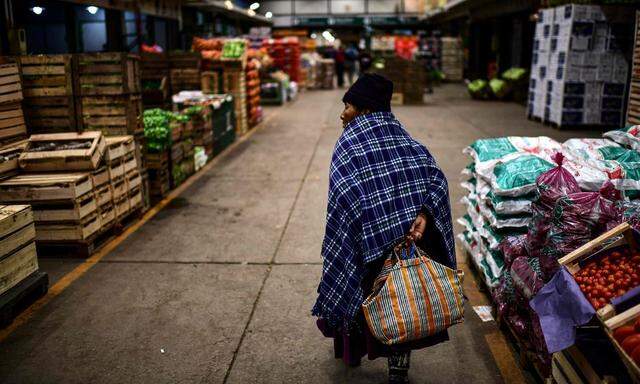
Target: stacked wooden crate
18 258
12 124
185 71
202 130
79 185
155 80
9 158
234 83
48 86
254 111
159 174
633 109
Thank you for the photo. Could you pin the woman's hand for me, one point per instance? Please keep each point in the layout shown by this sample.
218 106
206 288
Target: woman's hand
417 228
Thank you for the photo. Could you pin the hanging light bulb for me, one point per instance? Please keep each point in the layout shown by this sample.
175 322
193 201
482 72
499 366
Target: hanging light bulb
251 12
37 10
268 15
254 6
228 4
92 9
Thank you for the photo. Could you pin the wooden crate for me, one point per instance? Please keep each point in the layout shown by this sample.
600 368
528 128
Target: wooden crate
107 214
11 122
37 157
9 158
107 73
154 66
185 80
29 188
184 60
135 199
103 195
51 114
10 84
100 177
46 75
17 266
68 231
119 188
122 207
622 235
210 82
16 239
113 115
13 218
130 163
627 317
134 180
75 210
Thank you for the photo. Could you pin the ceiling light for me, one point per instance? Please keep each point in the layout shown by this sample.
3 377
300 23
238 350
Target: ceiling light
328 36
251 12
254 6
314 36
228 4
92 9
37 10
268 15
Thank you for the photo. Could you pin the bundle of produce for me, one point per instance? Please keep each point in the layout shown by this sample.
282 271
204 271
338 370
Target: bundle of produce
479 89
499 88
233 48
156 129
200 44
620 165
628 136
515 74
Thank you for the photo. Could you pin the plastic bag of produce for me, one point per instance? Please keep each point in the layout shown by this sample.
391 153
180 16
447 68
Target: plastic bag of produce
516 174
628 136
555 183
470 185
510 205
503 221
512 247
527 276
479 89
499 88
469 171
466 222
504 294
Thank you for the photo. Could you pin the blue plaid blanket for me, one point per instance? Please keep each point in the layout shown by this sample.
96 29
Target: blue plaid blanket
380 179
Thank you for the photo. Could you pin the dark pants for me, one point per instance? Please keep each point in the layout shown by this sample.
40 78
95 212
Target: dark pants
340 74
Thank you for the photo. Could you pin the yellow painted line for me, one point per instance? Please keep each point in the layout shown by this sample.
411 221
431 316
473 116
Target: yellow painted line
81 269
503 355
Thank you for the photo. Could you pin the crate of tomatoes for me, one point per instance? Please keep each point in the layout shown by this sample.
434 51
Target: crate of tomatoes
624 332
607 270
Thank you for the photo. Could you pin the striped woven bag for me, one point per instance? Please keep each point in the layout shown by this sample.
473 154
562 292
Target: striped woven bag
413 297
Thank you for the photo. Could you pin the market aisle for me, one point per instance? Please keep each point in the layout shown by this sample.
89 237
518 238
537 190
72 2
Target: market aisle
218 285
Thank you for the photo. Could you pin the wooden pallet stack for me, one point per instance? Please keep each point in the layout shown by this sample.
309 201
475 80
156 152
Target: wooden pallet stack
234 83
79 185
21 282
49 95
155 80
633 108
12 124
185 71
159 174
9 155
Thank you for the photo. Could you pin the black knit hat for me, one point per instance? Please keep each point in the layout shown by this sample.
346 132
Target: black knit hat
372 92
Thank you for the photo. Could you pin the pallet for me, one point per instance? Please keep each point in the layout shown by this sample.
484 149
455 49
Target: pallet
48 187
25 293
10 84
75 210
115 115
36 159
107 73
46 75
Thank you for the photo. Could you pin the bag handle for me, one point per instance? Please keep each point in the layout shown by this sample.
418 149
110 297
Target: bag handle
407 248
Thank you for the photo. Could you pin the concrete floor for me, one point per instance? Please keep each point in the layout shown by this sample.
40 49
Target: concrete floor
218 286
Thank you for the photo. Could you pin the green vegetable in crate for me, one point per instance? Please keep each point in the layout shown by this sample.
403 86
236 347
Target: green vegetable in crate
156 129
193 110
479 89
233 49
499 88
514 74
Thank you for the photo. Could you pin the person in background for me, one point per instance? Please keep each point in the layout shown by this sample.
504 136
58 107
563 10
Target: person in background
364 59
340 59
351 58
383 186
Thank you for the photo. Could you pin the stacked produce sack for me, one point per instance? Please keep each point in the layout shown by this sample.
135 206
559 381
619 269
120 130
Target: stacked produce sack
532 201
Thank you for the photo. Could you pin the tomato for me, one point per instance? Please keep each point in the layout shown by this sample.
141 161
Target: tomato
611 279
630 343
635 355
620 292
594 303
615 255
623 332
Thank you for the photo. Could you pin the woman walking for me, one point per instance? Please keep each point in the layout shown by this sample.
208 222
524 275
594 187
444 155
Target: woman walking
383 186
